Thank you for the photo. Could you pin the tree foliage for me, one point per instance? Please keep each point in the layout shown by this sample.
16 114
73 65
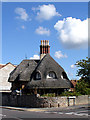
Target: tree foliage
82 88
84 69
83 85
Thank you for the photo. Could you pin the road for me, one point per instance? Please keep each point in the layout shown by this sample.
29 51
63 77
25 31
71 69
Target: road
48 113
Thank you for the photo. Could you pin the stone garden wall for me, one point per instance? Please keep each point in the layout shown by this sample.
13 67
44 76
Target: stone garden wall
34 102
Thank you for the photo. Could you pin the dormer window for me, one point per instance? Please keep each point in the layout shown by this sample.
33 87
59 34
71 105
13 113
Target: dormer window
37 76
51 75
64 76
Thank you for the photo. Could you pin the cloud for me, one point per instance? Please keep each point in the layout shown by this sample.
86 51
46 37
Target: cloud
58 54
21 14
42 31
73 33
35 57
23 27
71 75
72 66
34 9
46 12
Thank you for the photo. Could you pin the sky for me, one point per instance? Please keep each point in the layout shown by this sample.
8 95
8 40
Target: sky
64 24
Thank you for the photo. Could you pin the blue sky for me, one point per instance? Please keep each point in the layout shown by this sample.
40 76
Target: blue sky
24 25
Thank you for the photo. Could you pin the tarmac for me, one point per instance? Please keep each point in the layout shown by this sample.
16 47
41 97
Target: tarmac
46 109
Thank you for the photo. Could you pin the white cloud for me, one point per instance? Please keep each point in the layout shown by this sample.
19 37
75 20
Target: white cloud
35 57
21 14
46 12
42 31
70 74
72 66
23 27
58 54
73 33
34 9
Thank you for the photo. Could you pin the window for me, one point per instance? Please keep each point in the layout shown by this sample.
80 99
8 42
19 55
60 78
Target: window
64 76
37 76
51 75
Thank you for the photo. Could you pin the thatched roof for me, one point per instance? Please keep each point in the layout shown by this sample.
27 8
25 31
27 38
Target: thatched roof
23 71
27 69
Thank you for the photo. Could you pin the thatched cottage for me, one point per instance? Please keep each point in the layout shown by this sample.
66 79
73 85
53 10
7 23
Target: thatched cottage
40 76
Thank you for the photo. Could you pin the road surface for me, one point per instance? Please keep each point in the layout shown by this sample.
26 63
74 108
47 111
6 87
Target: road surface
52 113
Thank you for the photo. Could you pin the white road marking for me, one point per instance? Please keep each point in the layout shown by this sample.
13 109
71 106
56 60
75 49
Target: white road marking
48 112
51 112
79 113
60 113
2 115
70 113
82 113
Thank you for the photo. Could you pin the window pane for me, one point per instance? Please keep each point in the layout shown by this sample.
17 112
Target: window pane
51 75
38 76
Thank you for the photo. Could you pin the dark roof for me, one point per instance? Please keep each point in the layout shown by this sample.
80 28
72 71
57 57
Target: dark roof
27 69
44 66
23 71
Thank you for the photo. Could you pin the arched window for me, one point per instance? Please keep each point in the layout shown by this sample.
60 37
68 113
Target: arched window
64 76
37 76
51 75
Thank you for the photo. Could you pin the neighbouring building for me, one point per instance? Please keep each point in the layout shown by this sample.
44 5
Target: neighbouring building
40 76
5 70
74 82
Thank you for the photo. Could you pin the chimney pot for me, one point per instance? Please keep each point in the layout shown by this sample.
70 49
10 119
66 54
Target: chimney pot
41 42
44 48
47 42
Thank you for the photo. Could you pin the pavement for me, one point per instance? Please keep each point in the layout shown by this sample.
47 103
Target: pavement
46 109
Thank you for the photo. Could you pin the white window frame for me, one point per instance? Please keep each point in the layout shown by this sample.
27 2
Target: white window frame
38 76
51 75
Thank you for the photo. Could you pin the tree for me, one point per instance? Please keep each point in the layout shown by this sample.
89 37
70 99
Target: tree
83 85
84 70
82 88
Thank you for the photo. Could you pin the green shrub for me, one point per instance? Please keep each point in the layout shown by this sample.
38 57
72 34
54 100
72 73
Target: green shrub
87 91
48 95
68 93
82 87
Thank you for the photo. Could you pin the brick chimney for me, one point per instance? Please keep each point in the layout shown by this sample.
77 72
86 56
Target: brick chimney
44 48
